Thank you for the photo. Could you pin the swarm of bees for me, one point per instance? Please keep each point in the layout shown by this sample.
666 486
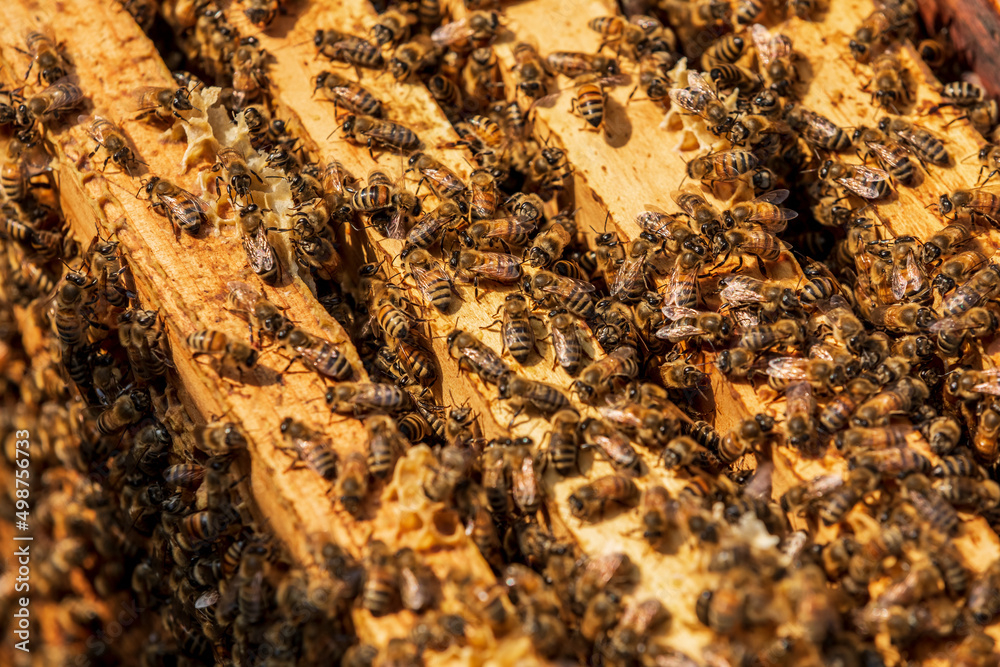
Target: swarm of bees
876 357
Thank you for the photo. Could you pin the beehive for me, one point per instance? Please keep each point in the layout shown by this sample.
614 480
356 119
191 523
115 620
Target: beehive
637 160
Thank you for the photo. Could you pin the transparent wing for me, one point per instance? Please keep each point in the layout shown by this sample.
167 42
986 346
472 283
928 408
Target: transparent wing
449 33
629 273
862 183
564 285
741 289
788 368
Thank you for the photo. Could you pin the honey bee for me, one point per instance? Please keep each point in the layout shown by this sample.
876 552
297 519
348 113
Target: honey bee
597 377
763 210
892 82
957 268
432 280
699 98
863 181
985 440
385 445
899 397
632 637
162 104
592 501
775 54
373 132
925 144
968 295
45 54
317 354
726 49
355 397
817 130
749 435
573 64
481 76
380 197
260 253
902 317
111 138
589 103
553 290
477 30
524 480
240 174
966 492
529 70
521 392
476 356
836 414
314 451
973 202
455 462
498 267
347 95
52 102
429 229
930 505
837 503
610 442
352 484
392 27
348 49
238 353
127 409
705 326
880 28
412 57
184 210
722 166
442 180
381 588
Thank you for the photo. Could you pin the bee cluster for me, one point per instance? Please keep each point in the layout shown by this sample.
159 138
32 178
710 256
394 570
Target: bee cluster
875 354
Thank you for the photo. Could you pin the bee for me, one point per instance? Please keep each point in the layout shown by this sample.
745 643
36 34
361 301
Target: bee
817 130
841 500
354 397
521 392
55 100
699 98
418 584
348 95
896 158
477 30
654 77
483 194
766 336
412 57
498 267
348 49
927 146
836 414
455 463
317 354
566 340
385 445
373 132
728 76
313 253
973 202
930 505
238 353
126 410
880 28
416 361
589 103
597 377
942 434
481 76
616 31
45 54
957 268
524 479
952 331
985 439
969 493
111 138
516 328
573 64
432 280
442 180
510 231
262 12
761 244
476 356
184 210
260 253
379 197
218 439
705 218
678 374
763 210
162 104
892 82
900 397
392 27
553 290
530 70
724 50
865 182
240 174
612 443
591 502
749 435
722 166
429 229
968 295
551 169
381 586
895 461
632 636
962 93
735 362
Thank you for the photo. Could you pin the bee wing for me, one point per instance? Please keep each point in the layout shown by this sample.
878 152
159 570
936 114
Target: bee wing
513 226
863 186
426 277
823 485
746 318
619 416
741 289
675 313
449 33
145 97
762 42
788 368
677 332
773 197
564 285
178 201
207 599
799 398
698 83
241 297
396 229
259 252
885 154
950 324
991 385
64 95
905 278
629 273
